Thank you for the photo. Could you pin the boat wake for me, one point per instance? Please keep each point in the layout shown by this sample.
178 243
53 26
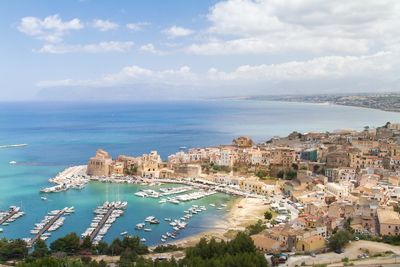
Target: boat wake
9 146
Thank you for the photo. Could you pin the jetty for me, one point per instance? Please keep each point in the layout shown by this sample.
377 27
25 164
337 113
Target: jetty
106 215
49 222
102 223
11 215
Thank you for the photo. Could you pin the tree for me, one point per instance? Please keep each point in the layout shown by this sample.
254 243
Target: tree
261 174
69 244
339 240
102 248
268 215
40 249
87 244
255 228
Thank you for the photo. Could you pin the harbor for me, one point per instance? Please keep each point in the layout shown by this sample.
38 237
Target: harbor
72 177
50 223
9 216
106 215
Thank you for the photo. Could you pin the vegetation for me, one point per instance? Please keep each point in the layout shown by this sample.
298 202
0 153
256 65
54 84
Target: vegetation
12 250
166 248
268 215
287 175
339 240
238 252
256 228
261 174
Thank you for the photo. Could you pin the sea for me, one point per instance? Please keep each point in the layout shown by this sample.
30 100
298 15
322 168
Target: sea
59 135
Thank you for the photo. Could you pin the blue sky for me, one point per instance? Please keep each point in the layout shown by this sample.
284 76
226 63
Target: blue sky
87 49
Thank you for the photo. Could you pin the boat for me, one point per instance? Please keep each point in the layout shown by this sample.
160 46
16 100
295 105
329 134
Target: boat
163 240
141 194
212 205
150 218
124 233
167 219
13 162
143 240
1 230
43 198
223 205
139 226
154 221
164 236
162 201
147 229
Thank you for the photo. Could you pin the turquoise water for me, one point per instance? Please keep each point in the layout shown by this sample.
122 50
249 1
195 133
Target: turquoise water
61 135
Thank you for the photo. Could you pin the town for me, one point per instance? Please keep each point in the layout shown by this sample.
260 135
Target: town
312 184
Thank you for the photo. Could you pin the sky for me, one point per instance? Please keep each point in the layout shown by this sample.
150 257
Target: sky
194 49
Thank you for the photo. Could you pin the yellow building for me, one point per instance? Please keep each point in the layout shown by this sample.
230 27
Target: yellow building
310 244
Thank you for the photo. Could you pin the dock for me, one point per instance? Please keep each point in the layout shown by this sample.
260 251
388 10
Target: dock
102 223
45 228
8 216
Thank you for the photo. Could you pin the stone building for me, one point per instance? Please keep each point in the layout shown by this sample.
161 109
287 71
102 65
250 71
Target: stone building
243 141
99 165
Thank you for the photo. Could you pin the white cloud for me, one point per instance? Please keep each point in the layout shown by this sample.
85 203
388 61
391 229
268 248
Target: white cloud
102 47
104 25
128 76
136 26
375 71
319 26
51 29
150 48
176 31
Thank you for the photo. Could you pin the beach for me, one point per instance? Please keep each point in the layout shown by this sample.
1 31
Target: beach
252 209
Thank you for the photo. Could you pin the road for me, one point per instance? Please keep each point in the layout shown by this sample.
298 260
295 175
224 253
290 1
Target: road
351 252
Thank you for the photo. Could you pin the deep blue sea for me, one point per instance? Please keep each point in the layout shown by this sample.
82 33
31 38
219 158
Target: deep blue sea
64 134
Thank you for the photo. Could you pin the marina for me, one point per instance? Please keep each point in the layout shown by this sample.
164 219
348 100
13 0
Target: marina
72 177
50 223
106 215
12 214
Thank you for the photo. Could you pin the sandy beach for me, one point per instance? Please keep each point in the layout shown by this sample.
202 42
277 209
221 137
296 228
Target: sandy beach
243 212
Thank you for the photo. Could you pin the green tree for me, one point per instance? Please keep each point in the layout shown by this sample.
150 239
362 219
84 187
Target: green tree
339 240
256 228
268 215
69 244
40 249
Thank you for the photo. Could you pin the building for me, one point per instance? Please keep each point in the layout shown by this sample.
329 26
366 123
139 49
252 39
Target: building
243 141
310 243
99 165
309 155
389 222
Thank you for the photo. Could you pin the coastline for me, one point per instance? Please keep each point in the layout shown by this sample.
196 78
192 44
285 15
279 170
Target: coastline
235 220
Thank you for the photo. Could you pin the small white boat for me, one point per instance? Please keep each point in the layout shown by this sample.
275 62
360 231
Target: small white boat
1 230
164 236
212 205
13 162
143 240
163 240
124 233
43 198
167 219
147 229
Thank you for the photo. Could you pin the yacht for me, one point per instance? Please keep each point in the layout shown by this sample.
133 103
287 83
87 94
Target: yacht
139 226
141 194
150 218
